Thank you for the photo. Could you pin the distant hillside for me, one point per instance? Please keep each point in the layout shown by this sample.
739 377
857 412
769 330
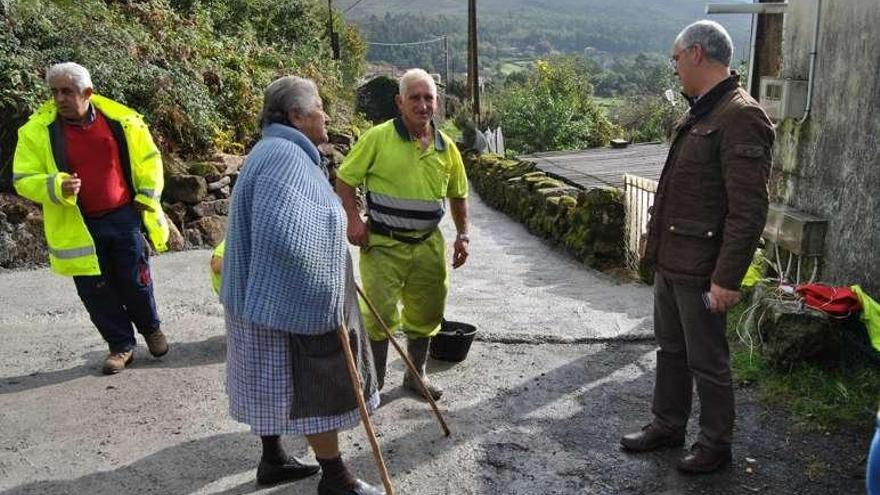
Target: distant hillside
526 29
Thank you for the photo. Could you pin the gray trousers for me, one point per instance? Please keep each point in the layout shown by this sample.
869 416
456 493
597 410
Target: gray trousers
693 348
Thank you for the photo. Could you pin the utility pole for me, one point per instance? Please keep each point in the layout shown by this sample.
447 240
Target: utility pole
334 39
766 56
473 61
446 57
446 75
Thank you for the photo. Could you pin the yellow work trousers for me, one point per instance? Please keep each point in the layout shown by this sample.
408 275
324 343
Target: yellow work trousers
407 283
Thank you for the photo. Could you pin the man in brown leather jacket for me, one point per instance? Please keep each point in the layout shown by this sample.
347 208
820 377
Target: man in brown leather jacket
708 214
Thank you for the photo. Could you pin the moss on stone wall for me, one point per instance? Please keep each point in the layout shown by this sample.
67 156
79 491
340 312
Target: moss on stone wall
588 223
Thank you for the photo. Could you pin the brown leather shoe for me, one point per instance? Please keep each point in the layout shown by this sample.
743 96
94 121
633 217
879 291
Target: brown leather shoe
651 438
702 459
116 362
157 343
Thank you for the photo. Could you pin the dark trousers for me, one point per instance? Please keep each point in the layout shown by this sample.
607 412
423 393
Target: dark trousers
123 293
693 348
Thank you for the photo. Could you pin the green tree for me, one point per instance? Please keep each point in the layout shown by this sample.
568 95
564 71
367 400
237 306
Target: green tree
552 110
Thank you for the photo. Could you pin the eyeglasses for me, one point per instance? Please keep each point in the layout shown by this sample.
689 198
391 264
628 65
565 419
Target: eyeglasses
673 60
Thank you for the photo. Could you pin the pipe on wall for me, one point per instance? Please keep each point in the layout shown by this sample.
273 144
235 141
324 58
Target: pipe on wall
813 53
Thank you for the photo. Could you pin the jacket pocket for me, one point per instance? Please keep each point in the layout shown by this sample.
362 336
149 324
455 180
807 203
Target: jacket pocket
690 246
700 143
694 163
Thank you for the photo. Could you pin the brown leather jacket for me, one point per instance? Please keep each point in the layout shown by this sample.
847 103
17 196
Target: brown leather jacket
711 202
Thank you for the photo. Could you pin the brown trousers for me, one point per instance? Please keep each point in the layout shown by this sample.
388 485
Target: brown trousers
693 348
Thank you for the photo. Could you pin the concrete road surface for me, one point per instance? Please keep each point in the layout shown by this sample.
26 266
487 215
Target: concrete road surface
564 365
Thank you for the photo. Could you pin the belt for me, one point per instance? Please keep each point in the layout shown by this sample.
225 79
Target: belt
382 229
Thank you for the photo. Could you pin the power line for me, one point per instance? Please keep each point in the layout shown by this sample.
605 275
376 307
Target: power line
409 43
352 6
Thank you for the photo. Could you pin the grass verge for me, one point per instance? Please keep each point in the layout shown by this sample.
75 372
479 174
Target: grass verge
820 398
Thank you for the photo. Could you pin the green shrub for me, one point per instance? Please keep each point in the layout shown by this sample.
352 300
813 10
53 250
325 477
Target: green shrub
552 109
196 69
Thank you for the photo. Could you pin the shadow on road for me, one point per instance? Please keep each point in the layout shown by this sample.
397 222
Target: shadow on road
180 469
182 355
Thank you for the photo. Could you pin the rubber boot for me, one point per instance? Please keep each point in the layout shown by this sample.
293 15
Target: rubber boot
380 357
418 353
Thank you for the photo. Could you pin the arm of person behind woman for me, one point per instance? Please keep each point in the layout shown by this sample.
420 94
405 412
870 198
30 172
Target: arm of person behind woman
357 229
216 264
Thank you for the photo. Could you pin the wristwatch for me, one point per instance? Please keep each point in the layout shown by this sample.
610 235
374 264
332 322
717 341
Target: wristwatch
463 237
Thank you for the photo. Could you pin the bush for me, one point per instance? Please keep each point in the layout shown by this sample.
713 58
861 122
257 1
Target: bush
195 68
552 110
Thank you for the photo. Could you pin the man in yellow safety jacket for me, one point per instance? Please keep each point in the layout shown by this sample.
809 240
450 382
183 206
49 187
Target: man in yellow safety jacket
408 169
92 165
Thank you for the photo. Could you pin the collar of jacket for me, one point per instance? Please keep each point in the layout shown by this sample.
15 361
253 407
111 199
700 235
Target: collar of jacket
708 101
91 115
289 133
403 132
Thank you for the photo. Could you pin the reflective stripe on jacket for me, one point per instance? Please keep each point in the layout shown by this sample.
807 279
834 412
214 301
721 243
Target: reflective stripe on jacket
407 185
39 167
404 214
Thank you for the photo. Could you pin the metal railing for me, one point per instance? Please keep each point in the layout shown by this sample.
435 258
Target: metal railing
638 196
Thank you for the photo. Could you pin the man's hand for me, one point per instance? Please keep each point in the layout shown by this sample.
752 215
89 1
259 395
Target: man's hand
460 252
722 299
357 231
70 186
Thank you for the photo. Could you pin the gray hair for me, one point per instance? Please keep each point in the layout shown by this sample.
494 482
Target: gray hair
76 73
414 75
710 35
285 94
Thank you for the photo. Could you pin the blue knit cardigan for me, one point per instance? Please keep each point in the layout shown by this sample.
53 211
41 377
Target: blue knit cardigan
286 248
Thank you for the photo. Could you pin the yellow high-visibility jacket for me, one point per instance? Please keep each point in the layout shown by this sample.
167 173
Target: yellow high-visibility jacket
39 167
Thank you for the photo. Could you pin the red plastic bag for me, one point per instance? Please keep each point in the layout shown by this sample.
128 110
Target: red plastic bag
836 301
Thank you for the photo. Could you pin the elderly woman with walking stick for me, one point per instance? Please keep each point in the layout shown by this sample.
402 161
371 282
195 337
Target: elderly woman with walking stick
289 295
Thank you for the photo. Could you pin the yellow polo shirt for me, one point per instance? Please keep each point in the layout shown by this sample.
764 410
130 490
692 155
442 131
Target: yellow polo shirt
388 161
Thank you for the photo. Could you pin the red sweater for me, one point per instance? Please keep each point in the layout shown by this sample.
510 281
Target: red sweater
93 155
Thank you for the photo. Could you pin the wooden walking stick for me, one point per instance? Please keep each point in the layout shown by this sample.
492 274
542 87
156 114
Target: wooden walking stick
362 406
409 363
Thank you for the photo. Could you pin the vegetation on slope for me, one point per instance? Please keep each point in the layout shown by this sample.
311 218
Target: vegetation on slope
195 68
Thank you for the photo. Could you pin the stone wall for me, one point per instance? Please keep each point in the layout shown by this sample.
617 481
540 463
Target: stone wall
197 201
830 165
22 243
590 224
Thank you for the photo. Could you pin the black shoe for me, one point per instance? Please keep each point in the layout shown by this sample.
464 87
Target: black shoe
702 459
292 469
359 488
651 438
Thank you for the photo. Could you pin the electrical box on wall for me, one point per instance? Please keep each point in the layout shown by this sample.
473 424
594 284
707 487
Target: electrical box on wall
783 98
794 230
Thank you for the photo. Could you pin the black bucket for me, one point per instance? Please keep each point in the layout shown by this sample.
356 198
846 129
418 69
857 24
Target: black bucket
453 341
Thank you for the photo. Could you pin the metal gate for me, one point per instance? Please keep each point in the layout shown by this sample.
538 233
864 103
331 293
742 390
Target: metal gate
638 194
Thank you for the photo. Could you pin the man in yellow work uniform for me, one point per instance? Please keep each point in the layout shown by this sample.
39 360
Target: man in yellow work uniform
408 169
